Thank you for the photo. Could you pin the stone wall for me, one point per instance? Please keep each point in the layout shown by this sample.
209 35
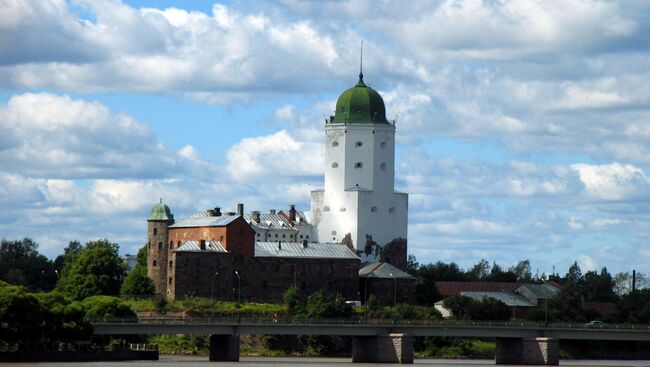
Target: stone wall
157 254
261 279
384 289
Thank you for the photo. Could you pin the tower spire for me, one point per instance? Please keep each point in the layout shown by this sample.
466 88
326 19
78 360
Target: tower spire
361 63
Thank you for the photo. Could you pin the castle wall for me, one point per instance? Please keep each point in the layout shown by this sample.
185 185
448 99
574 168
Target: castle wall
262 279
157 254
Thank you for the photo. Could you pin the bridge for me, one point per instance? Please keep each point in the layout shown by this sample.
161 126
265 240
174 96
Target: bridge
384 340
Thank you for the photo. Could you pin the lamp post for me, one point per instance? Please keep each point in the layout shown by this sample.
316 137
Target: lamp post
545 304
394 296
365 298
216 275
238 287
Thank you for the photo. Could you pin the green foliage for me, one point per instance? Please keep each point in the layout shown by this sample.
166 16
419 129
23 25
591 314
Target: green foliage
63 319
20 314
372 304
463 307
448 347
599 287
106 307
631 305
522 271
291 299
22 264
320 305
412 264
567 305
96 270
402 311
137 282
69 253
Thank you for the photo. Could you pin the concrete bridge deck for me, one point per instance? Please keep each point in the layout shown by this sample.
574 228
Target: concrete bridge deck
384 340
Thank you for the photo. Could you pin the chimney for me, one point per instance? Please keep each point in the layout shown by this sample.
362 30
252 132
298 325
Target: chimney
279 245
202 244
292 213
217 211
304 243
256 216
240 209
272 211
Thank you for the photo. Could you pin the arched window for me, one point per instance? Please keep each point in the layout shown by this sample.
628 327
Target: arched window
373 209
382 166
383 144
335 143
160 246
155 263
358 144
155 231
391 210
326 208
358 165
334 165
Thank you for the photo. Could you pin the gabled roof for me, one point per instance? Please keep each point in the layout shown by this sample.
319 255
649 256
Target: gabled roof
451 288
542 291
382 270
268 221
510 299
203 219
192 246
298 250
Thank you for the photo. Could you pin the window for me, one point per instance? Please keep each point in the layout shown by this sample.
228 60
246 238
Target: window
221 239
382 166
284 235
358 165
160 246
171 264
155 231
333 233
358 144
171 244
391 210
342 209
307 236
373 209
170 280
383 144
335 143
326 208
334 165
258 235
276 235
155 263
178 244
300 236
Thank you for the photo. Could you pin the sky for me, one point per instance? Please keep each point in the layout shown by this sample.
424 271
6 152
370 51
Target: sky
523 127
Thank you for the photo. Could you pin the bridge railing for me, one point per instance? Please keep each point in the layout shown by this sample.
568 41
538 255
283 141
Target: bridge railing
361 322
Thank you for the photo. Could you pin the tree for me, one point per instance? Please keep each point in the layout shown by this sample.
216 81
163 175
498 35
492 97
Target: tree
497 274
22 264
63 319
137 282
95 270
105 307
69 253
291 299
320 305
522 271
20 314
599 287
463 307
412 264
479 271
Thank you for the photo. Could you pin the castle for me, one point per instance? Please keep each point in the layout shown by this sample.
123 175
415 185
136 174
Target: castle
352 242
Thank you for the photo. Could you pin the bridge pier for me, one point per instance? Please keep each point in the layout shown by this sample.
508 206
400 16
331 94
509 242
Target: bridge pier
224 348
531 351
385 348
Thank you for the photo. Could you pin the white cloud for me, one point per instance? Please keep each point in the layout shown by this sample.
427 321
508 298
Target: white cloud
59 137
613 181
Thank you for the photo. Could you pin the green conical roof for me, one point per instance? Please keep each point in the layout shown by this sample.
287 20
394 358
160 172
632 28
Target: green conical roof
160 211
360 104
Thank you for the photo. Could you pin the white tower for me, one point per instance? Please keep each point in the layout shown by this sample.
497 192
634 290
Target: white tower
359 205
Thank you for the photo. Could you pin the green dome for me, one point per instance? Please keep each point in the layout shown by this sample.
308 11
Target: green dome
360 104
160 211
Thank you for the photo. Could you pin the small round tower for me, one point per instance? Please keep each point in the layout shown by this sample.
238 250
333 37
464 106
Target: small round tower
158 248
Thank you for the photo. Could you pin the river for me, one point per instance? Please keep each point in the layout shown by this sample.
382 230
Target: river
182 361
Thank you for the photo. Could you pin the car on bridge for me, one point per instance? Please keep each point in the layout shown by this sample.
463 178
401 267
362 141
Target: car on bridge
595 324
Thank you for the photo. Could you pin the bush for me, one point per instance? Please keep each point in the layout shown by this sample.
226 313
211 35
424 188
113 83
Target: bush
291 299
106 307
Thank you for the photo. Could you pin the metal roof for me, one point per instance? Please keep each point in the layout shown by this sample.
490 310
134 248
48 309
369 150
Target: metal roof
383 270
446 288
210 246
268 221
510 299
203 219
542 291
298 250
